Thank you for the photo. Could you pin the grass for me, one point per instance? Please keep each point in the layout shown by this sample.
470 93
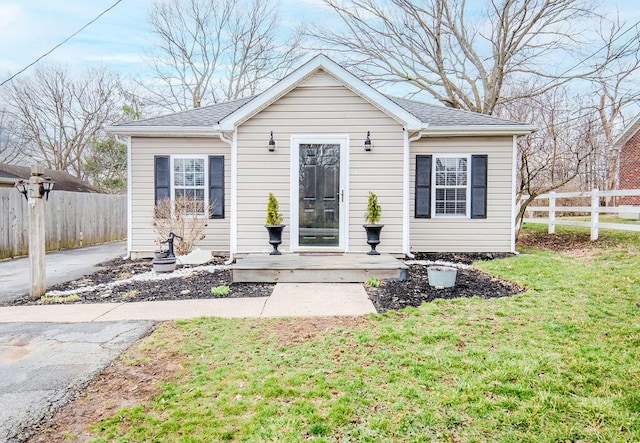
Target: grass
220 291
558 363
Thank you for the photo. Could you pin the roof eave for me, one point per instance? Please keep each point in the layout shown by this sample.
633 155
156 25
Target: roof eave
165 131
470 130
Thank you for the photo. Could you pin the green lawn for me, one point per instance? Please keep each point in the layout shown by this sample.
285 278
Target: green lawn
560 362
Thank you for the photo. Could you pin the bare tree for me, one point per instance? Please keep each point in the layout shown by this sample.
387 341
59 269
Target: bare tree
556 155
58 116
216 50
463 54
9 149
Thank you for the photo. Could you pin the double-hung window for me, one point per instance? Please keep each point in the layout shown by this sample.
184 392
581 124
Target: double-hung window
200 179
451 186
189 182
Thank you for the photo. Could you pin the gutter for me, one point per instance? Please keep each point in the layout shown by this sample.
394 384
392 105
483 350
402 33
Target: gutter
165 131
458 130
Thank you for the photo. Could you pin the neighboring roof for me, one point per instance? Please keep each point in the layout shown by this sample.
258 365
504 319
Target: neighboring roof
63 180
413 115
629 131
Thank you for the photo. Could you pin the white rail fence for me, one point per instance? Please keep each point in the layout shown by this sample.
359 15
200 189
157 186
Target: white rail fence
72 219
594 210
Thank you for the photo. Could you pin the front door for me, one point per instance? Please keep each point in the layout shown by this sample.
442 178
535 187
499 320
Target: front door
318 176
319 195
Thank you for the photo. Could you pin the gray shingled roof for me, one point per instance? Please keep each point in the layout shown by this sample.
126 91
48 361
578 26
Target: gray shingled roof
433 115
436 115
204 116
64 181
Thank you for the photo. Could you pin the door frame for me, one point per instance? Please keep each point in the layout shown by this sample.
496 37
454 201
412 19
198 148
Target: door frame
343 141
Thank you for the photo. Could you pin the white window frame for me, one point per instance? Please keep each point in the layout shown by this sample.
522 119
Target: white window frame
204 158
434 187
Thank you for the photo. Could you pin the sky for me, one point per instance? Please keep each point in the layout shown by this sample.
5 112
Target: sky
120 38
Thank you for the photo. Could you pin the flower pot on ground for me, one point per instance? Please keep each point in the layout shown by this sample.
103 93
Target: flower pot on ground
274 224
372 227
441 277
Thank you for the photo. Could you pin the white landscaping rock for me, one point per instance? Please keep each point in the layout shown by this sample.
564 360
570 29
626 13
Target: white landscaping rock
195 257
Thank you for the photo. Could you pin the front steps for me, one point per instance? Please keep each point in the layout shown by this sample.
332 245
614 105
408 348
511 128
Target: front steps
318 268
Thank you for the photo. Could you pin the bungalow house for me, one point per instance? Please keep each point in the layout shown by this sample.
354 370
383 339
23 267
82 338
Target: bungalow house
445 178
628 145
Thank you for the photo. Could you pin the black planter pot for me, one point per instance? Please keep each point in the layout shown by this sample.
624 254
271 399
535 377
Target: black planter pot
373 237
275 237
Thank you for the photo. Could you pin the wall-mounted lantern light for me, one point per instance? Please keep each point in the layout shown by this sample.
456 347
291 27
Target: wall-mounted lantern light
272 143
367 143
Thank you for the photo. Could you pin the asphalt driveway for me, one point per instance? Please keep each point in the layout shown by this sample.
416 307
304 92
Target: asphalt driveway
61 266
45 365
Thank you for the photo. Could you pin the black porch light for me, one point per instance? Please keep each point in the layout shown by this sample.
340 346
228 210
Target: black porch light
367 143
272 143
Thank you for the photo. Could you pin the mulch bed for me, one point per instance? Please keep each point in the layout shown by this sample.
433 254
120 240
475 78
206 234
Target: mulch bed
390 295
415 290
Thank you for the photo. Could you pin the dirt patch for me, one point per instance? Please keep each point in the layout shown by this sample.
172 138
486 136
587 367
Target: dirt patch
133 379
293 332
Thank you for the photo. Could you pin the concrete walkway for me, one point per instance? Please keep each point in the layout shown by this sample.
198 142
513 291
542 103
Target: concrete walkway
61 266
287 300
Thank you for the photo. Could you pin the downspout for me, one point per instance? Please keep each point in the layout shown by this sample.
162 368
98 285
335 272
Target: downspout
233 228
406 204
514 208
129 198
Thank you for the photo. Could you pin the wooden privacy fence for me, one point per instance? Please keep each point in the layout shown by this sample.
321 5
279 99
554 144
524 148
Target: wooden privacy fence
594 210
72 219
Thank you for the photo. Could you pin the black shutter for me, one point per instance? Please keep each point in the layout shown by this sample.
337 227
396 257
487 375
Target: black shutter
478 186
162 178
423 186
216 186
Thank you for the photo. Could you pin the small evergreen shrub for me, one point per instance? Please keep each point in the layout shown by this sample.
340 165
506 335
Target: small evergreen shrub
273 216
373 209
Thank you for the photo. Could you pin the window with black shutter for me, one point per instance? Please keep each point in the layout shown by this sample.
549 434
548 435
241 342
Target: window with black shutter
478 186
216 186
456 184
192 177
423 186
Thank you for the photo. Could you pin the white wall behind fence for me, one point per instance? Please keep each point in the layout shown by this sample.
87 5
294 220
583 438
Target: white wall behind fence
72 219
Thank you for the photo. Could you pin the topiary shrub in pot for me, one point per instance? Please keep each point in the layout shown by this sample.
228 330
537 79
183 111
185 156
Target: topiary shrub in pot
372 227
274 224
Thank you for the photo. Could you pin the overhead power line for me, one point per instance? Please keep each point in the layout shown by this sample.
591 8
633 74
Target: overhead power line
61 43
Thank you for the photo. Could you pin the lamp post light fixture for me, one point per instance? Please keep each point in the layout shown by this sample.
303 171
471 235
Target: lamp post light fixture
367 143
23 188
46 186
272 143
33 190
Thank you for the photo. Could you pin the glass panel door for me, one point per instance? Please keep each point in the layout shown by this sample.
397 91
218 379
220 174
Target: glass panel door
319 195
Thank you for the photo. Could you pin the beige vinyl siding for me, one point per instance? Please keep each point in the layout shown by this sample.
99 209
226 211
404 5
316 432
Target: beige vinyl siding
450 234
143 151
320 105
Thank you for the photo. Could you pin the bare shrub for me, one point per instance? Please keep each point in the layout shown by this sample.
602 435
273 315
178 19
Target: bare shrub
186 217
